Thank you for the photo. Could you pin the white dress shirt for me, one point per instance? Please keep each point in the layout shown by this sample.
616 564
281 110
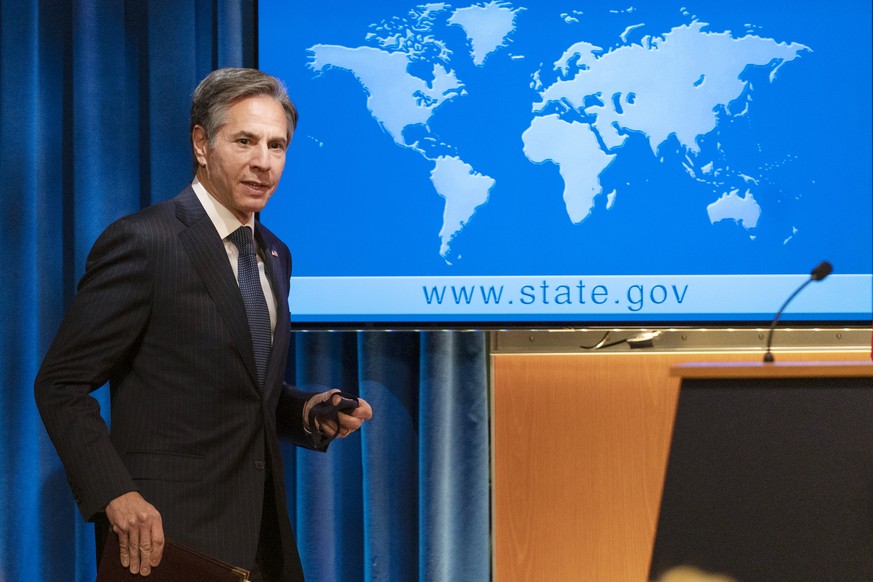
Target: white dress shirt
226 223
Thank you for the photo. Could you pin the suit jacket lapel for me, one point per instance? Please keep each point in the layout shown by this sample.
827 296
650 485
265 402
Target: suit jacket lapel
206 251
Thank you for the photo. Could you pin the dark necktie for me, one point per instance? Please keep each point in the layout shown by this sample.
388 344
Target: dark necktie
253 297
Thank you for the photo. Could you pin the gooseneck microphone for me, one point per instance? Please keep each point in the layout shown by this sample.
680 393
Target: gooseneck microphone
823 269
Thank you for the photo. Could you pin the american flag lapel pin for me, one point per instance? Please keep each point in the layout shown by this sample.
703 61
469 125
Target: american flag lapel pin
274 253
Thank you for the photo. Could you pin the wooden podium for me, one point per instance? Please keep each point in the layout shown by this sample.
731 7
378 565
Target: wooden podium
580 446
770 472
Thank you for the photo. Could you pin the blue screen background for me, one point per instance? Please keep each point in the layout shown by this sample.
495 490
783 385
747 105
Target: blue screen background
354 203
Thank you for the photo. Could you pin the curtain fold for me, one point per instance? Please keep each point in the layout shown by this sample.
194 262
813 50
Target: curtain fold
454 468
94 101
411 492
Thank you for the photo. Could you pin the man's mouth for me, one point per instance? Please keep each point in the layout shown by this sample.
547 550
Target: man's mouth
260 187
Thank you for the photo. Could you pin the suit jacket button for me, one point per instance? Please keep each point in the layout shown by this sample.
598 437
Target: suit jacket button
259 465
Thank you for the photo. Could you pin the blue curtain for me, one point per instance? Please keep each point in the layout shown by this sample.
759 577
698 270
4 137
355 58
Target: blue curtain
94 99
410 493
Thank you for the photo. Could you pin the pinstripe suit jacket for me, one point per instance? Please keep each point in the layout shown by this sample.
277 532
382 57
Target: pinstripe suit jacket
159 315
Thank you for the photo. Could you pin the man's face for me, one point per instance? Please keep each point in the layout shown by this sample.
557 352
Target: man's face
243 169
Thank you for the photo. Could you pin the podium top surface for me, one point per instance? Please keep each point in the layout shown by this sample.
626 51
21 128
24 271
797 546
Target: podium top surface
793 369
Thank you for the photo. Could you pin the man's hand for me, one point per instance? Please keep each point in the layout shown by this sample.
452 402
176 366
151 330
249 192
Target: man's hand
349 423
140 532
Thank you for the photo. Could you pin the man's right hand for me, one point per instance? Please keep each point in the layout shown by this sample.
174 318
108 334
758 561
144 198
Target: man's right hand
140 532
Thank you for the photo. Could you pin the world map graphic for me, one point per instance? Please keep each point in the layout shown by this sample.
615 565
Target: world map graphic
567 130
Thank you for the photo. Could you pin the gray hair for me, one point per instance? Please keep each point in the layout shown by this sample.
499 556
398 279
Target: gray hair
223 87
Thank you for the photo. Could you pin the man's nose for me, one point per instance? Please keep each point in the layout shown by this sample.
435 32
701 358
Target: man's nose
261 157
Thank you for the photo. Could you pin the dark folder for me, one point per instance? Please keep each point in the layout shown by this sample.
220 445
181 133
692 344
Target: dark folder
179 564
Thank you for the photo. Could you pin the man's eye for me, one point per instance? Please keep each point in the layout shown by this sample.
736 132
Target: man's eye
243 141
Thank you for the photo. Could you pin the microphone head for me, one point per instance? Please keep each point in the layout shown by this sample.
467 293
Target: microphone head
823 269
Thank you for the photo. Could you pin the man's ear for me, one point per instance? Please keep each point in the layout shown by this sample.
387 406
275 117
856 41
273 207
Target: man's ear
200 143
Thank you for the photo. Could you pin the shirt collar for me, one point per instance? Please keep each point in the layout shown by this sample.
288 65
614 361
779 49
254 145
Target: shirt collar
222 218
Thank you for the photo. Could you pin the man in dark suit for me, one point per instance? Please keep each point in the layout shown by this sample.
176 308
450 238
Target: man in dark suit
194 358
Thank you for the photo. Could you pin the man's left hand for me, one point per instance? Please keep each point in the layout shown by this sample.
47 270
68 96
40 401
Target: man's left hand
348 422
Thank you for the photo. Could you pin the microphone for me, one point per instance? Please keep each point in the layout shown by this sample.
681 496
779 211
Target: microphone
823 269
